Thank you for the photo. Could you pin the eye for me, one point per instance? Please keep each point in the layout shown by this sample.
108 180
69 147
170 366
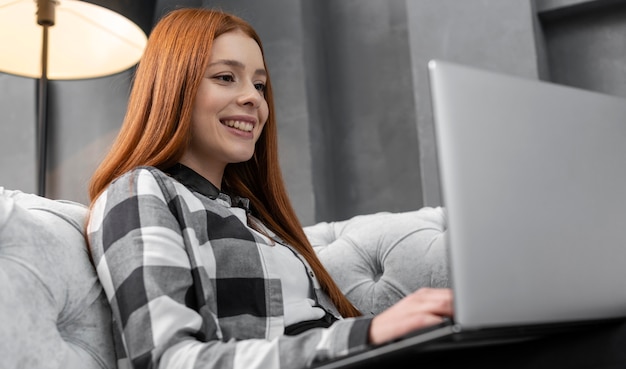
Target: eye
260 87
225 78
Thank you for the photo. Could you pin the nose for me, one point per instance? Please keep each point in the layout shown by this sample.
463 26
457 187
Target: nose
250 95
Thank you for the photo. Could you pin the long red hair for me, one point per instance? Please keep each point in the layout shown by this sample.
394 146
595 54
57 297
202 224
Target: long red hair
156 128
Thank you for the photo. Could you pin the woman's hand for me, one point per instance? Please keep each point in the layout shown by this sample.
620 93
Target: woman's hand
424 307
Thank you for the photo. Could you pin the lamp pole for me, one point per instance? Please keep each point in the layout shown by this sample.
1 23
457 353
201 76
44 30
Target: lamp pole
45 18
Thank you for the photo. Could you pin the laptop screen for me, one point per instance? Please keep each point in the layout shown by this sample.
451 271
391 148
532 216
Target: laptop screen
533 177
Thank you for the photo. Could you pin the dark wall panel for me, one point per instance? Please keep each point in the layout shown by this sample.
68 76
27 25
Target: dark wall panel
587 47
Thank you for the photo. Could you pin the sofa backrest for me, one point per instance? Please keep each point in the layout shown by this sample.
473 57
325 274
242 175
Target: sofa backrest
377 259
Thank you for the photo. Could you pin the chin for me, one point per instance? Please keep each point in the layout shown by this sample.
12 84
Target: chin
242 157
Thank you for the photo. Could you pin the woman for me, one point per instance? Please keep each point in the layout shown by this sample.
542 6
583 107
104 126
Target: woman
191 230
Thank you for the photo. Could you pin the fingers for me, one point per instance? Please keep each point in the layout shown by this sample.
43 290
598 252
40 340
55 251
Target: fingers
437 301
424 307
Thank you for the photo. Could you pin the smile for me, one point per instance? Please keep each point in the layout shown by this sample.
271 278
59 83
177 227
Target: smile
240 125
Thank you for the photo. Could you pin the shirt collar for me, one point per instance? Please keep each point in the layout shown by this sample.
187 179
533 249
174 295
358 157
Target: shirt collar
198 183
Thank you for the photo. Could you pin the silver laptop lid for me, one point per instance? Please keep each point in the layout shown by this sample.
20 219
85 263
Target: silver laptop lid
533 176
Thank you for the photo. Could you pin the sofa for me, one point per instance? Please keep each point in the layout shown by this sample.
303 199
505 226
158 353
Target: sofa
54 313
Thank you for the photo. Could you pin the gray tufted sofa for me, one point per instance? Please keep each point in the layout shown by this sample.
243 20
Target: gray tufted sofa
54 314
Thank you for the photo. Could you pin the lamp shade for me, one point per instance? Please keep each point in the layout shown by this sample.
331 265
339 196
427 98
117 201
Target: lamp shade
86 40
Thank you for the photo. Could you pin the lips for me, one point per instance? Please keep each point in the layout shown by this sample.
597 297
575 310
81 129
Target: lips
238 124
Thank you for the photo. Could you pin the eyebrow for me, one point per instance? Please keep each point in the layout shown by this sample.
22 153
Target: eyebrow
237 64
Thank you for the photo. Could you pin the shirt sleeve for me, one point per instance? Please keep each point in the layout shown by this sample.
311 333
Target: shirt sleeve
138 248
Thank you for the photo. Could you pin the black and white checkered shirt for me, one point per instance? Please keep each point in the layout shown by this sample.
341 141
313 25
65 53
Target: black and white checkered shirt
187 282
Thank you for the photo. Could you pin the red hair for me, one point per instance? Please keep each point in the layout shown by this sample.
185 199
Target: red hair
156 128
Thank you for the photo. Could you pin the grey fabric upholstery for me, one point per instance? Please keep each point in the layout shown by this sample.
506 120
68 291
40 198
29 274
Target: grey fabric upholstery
54 314
379 258
53 311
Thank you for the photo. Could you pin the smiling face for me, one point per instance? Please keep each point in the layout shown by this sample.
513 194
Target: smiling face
230 109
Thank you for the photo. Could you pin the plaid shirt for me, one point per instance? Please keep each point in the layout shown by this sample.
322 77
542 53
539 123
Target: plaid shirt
187 283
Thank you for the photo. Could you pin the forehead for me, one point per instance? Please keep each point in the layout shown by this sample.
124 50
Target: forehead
236 45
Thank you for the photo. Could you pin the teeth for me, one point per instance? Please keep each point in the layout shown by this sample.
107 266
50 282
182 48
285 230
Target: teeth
243 126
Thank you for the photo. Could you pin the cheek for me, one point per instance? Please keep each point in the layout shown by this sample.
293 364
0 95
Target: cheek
265 112
263 116
261 128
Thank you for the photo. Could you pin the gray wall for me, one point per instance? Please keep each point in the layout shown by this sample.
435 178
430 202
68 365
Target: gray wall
494 35
353 104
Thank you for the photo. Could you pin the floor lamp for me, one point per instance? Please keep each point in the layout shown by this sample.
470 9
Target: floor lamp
63 40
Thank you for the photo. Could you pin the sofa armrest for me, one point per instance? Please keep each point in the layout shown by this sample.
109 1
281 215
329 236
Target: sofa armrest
53 311
377 259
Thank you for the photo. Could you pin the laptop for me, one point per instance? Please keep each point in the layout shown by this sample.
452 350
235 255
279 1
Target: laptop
533 176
